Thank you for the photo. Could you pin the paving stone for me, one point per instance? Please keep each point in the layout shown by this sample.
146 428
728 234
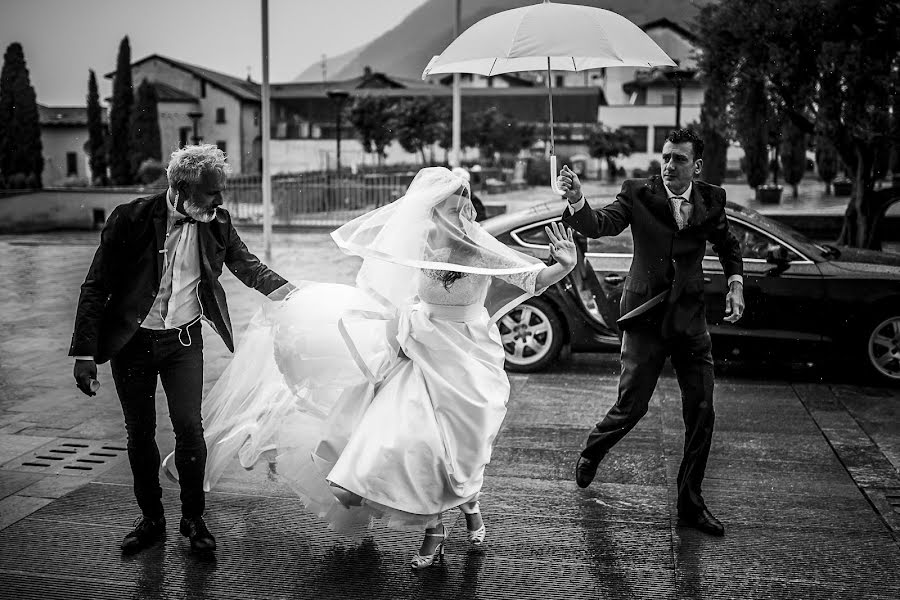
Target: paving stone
13 481
13 508
53 486
14 445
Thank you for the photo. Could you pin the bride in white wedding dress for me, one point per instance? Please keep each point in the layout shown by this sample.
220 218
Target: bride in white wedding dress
383 400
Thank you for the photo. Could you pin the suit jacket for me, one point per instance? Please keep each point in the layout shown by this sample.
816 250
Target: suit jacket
667 267
124 277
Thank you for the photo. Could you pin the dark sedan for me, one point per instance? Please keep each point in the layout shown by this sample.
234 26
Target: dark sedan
800 296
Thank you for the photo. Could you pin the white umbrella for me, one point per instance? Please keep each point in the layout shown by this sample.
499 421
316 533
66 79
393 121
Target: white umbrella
560 37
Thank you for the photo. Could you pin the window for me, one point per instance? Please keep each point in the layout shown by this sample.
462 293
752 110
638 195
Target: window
668 99
620 244
220 144
202 88
638 135
71 164
660 132
560 81
220 115
754 244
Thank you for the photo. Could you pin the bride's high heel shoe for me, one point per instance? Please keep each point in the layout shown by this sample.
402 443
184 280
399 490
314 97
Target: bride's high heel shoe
423 562
476 536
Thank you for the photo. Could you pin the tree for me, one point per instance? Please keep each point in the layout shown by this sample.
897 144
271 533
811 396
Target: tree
97 133
793 155
20 128
608 144
374 124
145 139
120 119
417 122
493 132
713 129
831 66
826 162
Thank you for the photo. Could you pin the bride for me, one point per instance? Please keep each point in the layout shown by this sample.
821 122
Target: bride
383 400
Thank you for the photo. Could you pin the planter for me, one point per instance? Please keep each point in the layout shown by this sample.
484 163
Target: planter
769 194
842 187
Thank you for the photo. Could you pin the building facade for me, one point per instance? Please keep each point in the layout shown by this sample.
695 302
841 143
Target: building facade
64 134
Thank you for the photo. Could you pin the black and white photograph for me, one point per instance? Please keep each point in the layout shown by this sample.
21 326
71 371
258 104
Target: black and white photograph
450 299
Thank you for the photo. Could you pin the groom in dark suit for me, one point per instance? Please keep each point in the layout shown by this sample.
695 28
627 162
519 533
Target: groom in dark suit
152 280
663 315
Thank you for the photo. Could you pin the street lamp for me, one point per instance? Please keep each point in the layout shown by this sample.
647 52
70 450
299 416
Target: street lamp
195 117
678 77
338 96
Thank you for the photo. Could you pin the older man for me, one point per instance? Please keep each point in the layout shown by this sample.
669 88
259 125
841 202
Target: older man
671 218
153 279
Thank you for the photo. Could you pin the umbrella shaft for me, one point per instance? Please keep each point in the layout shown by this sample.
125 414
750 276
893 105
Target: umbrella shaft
550 93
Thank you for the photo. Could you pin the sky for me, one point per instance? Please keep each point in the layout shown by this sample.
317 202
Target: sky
62 39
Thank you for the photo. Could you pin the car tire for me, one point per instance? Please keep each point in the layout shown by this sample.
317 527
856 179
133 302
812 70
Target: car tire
879 347
532 336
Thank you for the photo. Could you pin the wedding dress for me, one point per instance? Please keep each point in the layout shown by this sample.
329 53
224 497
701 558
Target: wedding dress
392 390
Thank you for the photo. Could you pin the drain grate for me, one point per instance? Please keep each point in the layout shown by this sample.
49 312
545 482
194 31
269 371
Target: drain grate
70 457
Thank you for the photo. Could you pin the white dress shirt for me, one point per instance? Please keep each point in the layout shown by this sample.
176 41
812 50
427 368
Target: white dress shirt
686 211
176 303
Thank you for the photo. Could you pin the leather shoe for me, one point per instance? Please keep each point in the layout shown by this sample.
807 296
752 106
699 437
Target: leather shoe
705 522
585 470
146 532
194 528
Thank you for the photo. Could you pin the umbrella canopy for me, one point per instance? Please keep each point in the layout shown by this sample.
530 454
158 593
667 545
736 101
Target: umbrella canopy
572 37
561 37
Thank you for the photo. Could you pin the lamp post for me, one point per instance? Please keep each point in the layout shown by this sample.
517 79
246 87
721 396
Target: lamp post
678 76
195 119
338 96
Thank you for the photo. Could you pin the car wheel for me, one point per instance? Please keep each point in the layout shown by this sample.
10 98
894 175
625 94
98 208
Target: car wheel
882 356
532 336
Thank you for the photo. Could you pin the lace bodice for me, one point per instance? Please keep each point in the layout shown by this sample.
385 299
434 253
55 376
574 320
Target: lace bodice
470 288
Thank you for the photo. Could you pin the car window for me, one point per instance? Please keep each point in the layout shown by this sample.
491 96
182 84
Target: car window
753 243
620 244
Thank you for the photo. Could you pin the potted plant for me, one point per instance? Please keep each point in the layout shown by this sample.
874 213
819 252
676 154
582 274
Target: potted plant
842 186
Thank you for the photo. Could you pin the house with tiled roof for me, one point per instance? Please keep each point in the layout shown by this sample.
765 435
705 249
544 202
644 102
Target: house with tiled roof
64 134
197 104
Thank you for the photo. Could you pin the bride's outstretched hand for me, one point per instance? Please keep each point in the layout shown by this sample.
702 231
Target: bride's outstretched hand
562 245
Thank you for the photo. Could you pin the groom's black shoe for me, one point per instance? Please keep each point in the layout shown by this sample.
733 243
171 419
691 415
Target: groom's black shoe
146 532
585 470
704 521
195 529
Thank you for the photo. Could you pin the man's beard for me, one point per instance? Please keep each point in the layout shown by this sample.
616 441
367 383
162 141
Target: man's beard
199 213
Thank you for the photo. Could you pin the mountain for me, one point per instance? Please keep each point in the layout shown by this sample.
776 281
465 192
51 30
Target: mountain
406 49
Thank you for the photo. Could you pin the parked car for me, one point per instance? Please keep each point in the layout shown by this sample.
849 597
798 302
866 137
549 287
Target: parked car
801 296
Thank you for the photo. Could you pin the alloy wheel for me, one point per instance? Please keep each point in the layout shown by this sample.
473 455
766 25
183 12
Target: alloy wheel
884 348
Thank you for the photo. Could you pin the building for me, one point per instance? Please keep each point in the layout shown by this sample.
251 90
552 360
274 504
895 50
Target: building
201 105
198 104
64 134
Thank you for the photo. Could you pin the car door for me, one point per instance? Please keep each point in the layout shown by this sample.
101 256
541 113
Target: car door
611 259
781 302
592 297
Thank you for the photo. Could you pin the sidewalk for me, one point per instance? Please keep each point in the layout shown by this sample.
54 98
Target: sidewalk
804 491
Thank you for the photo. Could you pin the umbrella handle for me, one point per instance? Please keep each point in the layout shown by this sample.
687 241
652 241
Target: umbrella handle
553 174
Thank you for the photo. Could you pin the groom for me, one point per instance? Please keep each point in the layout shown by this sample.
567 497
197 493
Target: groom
152 280
662 309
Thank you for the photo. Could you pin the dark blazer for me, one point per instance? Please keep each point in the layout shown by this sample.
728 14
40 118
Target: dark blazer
124 277
668 264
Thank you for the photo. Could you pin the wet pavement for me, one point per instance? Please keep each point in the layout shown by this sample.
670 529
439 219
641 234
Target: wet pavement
804 472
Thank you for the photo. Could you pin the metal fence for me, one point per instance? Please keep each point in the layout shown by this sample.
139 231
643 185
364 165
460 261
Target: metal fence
313 199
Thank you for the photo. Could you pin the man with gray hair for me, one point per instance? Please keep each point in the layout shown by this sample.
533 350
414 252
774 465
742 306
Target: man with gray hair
154 277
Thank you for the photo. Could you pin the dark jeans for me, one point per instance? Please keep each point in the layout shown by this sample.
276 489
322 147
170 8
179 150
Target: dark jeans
180 368
644 352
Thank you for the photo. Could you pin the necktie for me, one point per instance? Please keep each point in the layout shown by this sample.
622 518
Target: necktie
678 202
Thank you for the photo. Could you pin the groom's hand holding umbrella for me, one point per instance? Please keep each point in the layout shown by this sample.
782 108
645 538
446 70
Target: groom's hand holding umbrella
569 183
